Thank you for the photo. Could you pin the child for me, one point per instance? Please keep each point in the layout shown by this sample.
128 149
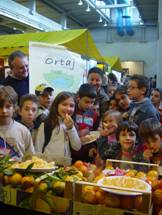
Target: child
126 136
122 99
86 119
156 97
113 105
63 133
27 110
95 76
141 107
151 132
45 96
15 137
107 143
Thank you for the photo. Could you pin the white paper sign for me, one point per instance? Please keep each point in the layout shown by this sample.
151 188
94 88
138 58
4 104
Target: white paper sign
55 66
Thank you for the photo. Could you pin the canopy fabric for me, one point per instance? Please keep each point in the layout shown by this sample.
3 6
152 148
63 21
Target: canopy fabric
79 41
113 62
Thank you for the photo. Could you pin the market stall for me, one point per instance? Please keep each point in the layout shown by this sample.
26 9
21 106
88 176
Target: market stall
120 188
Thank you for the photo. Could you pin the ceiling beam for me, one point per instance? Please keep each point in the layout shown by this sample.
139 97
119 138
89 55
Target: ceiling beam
60 10
15 11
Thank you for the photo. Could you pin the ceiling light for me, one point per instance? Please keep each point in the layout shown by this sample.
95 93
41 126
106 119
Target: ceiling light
14 28
105 24
80 3
100 20
88 8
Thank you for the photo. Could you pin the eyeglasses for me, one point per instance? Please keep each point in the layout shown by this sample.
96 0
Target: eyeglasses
131 88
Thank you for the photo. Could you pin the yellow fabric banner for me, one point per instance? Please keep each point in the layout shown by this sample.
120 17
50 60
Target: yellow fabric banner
79 41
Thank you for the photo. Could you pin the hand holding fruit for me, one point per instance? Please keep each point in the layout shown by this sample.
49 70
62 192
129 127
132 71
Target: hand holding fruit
68 121
104 132
147 154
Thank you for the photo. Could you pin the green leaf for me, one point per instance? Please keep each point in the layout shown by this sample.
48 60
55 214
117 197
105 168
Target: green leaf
28 169
9 171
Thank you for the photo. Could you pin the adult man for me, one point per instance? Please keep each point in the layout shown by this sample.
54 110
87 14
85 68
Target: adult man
18 77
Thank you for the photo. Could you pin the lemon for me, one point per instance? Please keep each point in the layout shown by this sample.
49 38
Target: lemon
16 179
58 187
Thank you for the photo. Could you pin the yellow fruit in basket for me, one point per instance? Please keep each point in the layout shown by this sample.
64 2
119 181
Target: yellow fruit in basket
42 206
16 179
27 181
131 173
42 187
153 174
141 175
58 187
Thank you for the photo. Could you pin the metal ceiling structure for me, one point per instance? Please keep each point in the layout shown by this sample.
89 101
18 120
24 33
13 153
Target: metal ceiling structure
48 15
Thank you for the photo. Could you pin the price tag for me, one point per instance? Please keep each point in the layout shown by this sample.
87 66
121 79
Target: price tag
9 195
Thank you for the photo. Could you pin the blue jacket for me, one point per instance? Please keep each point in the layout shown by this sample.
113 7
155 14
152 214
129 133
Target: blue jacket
140 111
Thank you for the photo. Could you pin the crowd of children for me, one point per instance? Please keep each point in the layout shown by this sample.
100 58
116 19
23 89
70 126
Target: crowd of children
127 119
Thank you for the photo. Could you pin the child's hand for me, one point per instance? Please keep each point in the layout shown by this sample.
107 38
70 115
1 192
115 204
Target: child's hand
68 121
104 132
147 154
92 152
125 115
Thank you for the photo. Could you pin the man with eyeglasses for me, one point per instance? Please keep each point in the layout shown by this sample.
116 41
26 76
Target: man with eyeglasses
141 107
18 76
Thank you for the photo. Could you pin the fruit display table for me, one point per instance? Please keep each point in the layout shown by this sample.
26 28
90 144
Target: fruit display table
82 189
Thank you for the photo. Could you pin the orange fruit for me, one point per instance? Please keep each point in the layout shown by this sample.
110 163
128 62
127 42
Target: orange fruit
112 201
89 195
83 169
78 164
100 196
27 181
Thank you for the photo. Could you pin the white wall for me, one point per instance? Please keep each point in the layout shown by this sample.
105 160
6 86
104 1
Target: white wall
140 47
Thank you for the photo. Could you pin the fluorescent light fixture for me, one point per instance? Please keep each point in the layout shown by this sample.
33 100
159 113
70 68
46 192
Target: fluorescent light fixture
88 8
80 3
100 20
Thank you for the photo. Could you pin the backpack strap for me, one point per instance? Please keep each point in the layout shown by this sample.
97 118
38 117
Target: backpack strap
47 134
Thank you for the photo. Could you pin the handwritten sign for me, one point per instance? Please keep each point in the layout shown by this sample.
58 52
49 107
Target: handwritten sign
55 66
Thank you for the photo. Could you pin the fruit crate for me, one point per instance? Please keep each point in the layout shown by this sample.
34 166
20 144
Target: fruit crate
112 204
45 202
95 200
